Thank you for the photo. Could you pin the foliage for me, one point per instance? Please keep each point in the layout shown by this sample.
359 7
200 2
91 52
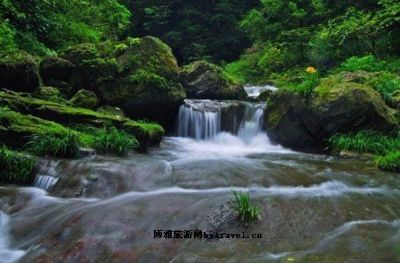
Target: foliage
196 30
112 140
367 63
387 84
51 145
245 211
42 26
16 167
389 162
365 141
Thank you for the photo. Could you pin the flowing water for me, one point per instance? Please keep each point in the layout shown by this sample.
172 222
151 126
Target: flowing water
314 208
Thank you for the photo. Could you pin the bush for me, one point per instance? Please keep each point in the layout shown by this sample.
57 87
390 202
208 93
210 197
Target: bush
245 211
58 146
367 63
15 167
389 162
112 140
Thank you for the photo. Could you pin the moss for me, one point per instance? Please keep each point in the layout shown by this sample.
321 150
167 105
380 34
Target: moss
148 133
85 99
16 167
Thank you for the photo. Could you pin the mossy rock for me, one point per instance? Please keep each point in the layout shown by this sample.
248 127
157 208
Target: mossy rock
19 72
50 93
85 99
338 106
147 133
55 68
111 110
139 75
16 128
203 80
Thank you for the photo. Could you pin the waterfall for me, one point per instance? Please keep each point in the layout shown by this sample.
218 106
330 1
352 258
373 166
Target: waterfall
6 254
198 123
205 119
47 175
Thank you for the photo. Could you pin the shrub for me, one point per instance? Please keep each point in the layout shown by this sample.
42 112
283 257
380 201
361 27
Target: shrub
15 167
389 162
52 145
112 140
367 63
245 211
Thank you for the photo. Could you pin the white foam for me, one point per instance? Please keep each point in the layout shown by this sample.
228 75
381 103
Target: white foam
7 255
255 91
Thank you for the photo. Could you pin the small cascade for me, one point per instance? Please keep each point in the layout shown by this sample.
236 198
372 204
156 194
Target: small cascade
206 119
6 254
200 122
47 175
251 126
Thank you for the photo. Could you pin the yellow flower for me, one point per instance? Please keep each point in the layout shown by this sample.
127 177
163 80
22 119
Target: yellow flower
311 70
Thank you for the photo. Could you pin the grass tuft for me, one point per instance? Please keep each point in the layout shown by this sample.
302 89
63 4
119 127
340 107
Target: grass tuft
16 167
112 140
245 211
66 146
389 162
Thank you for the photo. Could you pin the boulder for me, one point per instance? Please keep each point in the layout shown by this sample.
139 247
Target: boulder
203 80
337 106
111 110
19 72
55 69
139 75
85 99
49 92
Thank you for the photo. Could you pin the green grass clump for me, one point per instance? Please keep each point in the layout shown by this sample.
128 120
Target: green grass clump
389 162
385 148
112 140
16 167
367 63
245 211
54 145
386 84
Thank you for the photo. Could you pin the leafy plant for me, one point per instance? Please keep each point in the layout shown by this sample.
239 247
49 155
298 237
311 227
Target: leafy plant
367 63
365 141
54 145
16 167
389 162
112 140
386 84
245 211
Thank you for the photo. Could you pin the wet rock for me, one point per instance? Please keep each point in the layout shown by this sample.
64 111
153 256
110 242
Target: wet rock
337 107
354 155
55 68
203 80
19 72
85 99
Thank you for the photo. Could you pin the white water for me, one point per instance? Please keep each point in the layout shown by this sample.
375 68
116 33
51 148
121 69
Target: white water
7 255
255 91
201 120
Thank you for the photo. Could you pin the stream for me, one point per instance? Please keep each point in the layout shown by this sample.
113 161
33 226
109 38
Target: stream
314 208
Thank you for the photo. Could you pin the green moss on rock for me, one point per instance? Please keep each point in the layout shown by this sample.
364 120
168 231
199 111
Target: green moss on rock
85 99
203 80
19 72
336 106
